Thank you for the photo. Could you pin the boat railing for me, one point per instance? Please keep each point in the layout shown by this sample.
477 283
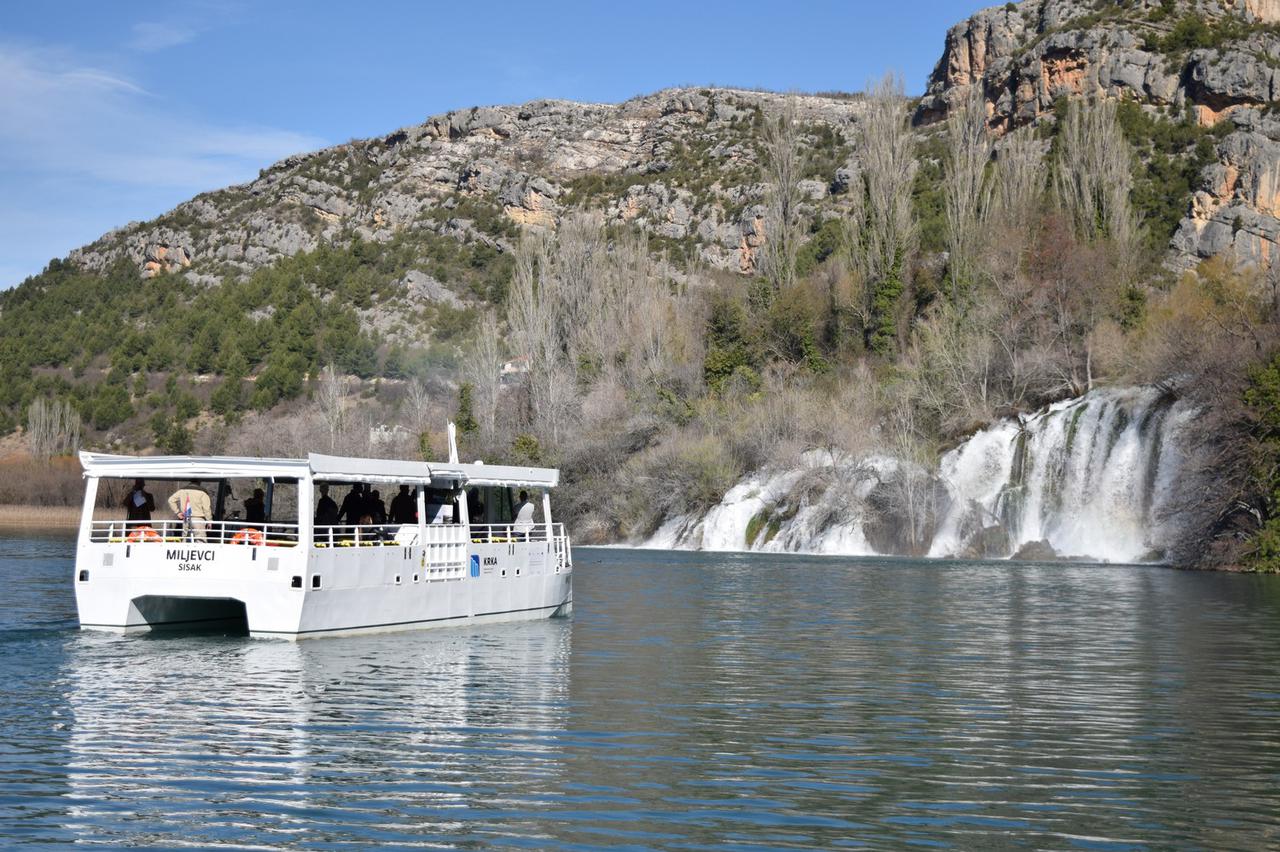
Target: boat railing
337 535
393 535
502 533
172 530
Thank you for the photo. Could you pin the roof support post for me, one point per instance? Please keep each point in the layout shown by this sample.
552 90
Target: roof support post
546 511
86 513
422 517
306 511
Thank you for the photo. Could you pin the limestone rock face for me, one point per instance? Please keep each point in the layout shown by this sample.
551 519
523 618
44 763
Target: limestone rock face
161 257
1265 11
1027 56
1236 208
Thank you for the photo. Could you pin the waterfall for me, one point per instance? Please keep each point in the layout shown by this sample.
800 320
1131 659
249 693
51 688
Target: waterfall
1089 477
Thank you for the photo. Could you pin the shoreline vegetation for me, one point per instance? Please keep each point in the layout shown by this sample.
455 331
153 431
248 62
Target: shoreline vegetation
53 517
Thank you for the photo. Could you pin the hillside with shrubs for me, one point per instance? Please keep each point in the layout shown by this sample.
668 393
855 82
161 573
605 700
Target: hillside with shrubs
665 295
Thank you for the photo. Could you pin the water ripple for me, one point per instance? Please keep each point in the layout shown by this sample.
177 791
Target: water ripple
695 702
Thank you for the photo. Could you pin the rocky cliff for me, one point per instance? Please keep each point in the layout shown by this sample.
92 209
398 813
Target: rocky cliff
1216 59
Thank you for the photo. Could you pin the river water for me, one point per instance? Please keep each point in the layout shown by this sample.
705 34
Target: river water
694 701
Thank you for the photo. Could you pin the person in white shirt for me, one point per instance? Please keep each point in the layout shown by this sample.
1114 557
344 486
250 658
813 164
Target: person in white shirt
524 515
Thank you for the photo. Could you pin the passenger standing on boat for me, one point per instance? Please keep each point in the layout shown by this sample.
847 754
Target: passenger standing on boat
139 504
326 508
524 515
255 508
376 508
404 509
190 505
352 505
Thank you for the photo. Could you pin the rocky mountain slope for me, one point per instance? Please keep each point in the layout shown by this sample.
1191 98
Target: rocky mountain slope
1217 61
684 164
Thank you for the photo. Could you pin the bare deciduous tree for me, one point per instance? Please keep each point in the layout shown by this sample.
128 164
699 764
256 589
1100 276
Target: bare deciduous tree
1095 178
537 308
483 371
333 401
912 490
966 190
53 428
419 414
1020 177
570 280
783 163
885 237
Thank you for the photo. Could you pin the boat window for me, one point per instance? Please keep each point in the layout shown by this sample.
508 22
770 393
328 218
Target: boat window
441 507
490 504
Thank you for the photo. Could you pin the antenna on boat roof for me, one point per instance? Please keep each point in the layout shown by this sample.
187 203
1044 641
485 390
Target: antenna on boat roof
453 443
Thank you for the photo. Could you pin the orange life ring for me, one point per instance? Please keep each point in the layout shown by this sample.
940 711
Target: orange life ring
144 534
249 535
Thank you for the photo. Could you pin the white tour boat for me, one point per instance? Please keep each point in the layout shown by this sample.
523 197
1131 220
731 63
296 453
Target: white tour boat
462 551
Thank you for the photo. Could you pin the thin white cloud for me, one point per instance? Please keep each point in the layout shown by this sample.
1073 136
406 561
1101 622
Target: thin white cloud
100 124
96 133
161 35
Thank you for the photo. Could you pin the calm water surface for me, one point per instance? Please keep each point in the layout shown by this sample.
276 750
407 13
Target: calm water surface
694 701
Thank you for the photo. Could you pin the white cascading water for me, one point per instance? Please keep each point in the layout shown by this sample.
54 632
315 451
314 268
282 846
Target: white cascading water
1089 477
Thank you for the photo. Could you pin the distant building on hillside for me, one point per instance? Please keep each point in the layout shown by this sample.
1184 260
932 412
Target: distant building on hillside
383 435
513 369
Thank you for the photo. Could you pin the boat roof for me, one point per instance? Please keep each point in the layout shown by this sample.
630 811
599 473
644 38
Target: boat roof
318 467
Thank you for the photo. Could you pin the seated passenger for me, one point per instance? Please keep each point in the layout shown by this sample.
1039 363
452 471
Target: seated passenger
255 508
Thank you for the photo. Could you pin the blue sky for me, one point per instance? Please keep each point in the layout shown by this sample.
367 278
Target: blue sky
117 111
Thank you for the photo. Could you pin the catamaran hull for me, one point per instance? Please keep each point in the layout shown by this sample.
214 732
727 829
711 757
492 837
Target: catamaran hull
303 592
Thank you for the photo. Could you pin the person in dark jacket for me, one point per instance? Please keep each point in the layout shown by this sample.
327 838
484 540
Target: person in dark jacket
404 508
376 508
255 508
352 505
326 508
139 504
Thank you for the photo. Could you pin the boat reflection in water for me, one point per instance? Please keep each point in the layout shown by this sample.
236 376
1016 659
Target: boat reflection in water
400 737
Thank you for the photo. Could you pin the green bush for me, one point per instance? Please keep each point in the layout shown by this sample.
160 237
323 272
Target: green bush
110 406
728 347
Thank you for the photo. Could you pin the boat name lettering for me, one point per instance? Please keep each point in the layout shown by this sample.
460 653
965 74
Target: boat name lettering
191 555
491 560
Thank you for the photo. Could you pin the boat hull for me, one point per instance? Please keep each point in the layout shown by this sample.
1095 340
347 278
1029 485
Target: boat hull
314 591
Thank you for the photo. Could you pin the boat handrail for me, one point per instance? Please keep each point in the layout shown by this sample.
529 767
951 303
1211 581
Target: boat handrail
173 530
391 534
535 531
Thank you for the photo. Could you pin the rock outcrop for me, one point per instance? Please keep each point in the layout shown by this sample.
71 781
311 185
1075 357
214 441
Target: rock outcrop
1026 56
